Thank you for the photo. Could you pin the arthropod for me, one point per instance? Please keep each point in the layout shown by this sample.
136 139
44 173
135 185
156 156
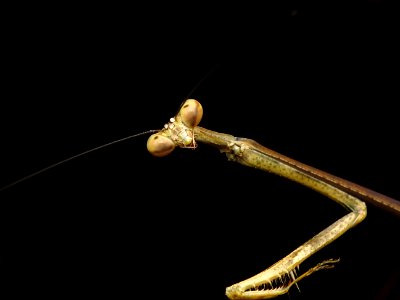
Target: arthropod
183 131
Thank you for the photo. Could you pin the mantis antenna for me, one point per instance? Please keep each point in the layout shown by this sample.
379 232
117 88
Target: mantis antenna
183 131
73 157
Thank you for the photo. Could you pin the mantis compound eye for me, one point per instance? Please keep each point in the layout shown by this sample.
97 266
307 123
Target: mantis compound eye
159 145
191 113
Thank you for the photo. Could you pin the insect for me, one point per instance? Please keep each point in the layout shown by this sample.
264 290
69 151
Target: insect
165 178
183 131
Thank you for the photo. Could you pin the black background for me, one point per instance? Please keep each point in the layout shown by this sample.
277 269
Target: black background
316 82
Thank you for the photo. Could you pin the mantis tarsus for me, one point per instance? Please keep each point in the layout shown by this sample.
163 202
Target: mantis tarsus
183 131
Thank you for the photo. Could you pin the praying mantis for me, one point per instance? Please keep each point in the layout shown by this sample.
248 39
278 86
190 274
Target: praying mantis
77 223
183 131
257 287
272 215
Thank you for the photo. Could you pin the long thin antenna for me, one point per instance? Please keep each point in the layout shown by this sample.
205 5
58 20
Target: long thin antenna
75 156
202 80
